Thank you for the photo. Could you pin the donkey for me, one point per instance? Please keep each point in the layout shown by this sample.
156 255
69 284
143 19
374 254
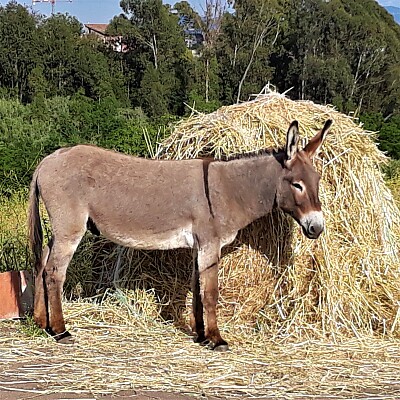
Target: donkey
158 204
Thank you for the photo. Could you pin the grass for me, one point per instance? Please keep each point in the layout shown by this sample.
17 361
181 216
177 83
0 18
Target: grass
29 329
14 252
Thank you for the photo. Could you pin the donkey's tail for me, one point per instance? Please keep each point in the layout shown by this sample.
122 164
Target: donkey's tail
34 223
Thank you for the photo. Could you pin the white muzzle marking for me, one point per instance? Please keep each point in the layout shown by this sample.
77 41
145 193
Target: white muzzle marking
313 224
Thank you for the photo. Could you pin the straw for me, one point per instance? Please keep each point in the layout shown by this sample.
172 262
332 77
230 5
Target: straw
117 351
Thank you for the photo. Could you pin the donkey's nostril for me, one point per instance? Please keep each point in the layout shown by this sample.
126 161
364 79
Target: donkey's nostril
313 224
314 230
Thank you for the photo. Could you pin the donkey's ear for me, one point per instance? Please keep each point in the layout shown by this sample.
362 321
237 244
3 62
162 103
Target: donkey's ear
315 143
292 139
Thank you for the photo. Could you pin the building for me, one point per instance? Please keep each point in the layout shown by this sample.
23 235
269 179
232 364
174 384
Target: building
99 30
193 37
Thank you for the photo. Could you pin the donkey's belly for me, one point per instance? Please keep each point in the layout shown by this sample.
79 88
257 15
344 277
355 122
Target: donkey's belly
172 239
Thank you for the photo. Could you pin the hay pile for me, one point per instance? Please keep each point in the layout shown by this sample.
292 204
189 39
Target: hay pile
345 282
272 278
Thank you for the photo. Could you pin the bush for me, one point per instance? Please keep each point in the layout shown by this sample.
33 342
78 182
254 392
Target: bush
14 252
392 170
388 132
23 141
29 133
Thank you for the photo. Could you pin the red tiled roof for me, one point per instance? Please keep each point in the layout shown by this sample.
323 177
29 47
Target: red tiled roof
99 28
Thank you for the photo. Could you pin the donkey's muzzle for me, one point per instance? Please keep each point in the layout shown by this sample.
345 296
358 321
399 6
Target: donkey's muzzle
313 224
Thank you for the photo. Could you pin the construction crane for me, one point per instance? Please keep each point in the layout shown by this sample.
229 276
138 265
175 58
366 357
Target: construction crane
52 2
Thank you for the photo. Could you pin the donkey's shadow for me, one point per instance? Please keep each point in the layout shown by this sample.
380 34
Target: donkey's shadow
100 265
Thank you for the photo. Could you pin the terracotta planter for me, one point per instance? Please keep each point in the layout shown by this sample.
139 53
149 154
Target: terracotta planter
16 294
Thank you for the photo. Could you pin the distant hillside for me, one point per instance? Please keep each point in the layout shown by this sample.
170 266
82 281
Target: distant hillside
395 11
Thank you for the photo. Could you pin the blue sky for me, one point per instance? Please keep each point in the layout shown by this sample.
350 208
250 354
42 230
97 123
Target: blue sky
94 11
393 3
101 11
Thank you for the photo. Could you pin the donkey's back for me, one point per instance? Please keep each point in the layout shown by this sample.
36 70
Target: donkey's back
136 202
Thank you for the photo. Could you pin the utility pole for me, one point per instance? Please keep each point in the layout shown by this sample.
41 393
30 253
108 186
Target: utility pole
52 2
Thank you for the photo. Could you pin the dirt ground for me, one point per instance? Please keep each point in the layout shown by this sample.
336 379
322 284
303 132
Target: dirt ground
17 390
135 395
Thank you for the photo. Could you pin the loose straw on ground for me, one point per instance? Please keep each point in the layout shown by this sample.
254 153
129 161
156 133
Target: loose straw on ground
116 351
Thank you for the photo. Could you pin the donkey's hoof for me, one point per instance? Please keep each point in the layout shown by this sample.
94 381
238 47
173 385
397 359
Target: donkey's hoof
204 342
64 338
222 347
200 339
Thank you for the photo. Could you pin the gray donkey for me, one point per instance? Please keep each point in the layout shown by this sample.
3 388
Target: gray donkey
158 204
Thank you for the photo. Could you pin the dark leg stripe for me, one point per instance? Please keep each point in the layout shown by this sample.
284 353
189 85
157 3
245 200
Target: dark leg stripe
206 164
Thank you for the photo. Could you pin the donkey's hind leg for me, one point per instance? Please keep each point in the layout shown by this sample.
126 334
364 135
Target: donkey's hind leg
197 319
55 270
208 269
40 314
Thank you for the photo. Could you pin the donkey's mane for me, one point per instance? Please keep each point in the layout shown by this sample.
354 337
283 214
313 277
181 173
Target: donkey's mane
252 154
267 152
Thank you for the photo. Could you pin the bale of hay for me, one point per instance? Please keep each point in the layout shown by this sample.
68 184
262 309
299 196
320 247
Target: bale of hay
347 282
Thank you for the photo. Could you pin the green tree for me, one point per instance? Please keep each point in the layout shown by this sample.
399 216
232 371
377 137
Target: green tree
59 37
204 80
340 52
18 49
72 62
388 131
249 37
156 57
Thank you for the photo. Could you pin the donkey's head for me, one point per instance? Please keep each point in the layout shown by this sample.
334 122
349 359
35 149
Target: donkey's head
298 192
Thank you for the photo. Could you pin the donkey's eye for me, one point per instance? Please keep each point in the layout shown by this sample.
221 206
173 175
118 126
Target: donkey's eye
297 186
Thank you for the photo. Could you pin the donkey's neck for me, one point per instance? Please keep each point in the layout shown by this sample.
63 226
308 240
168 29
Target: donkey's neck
248 187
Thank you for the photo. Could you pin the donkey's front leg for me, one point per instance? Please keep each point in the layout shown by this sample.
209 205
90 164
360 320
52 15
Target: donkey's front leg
208 258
